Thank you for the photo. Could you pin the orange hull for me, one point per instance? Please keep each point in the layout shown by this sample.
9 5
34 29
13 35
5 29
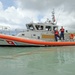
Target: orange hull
35 42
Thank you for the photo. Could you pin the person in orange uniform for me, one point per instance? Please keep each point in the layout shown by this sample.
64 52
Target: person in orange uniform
56 33
62 32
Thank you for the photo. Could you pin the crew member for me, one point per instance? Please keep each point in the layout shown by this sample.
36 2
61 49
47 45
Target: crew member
62 32
56 33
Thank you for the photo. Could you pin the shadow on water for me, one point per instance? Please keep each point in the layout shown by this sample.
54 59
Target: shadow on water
14 52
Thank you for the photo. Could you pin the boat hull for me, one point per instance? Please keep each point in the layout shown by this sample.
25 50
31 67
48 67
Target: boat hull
19 41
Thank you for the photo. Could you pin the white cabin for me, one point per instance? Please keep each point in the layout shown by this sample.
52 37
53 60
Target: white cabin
39 31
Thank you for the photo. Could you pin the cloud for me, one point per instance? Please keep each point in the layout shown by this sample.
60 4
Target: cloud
64 10
46 4
27 11
1 6
16 17
39 5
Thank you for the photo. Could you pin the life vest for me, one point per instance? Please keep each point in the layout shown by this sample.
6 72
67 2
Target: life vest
62 29
56 32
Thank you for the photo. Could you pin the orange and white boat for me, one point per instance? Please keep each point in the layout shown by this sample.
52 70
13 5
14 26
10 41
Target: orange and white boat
37 34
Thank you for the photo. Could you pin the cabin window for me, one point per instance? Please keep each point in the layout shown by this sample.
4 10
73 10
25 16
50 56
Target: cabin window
39 27
23 34
30 26
54 27
34 34
38 37
48 28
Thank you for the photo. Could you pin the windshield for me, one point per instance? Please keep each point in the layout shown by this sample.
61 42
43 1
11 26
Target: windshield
39 27
48 28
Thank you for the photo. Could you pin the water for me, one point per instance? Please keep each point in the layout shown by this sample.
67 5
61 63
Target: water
37 60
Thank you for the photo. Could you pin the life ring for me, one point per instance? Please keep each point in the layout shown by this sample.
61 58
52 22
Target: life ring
71 36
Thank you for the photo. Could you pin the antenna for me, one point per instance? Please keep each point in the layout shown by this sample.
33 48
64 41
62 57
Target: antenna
54 22
53 17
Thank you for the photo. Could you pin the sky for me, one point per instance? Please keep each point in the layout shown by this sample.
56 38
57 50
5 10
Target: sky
16 13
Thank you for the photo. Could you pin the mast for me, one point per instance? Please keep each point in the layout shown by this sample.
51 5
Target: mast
53 17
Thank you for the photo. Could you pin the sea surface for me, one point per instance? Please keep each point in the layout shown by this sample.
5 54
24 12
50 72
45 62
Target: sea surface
37 60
